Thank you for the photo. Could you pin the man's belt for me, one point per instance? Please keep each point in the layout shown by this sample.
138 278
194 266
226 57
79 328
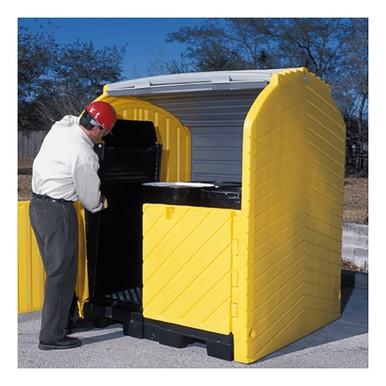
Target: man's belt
44 197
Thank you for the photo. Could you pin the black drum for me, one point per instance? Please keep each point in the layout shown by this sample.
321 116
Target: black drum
205 194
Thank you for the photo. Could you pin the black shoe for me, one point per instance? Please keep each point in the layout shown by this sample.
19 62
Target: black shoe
79 325
60 344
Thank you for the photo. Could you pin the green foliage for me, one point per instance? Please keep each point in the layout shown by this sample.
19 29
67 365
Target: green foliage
59 79
36 54
208 49
333 49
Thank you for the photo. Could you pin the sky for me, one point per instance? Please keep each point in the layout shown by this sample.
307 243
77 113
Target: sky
145 36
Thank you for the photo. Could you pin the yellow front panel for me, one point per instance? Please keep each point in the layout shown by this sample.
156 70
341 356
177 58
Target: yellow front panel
187 266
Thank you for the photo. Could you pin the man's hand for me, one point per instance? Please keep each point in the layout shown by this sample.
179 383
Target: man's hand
104 202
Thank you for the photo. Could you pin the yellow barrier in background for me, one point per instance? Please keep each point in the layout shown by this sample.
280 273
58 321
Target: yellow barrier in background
31 275
30 269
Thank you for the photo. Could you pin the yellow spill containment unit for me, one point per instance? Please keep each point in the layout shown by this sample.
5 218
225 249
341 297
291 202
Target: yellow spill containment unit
246 280
278 277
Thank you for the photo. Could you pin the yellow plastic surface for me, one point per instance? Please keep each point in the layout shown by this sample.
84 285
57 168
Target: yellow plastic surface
187 265
292 200
30 269
31 275
171 133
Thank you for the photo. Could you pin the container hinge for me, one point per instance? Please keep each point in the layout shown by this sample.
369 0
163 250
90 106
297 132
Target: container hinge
235 279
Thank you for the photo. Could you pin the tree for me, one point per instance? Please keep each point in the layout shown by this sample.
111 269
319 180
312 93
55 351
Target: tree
80 71
59 79
36 53
333 49
208 48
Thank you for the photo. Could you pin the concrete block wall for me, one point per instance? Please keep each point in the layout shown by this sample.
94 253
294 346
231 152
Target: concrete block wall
355 244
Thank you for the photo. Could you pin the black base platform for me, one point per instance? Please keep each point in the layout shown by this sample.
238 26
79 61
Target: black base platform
217 345
135 325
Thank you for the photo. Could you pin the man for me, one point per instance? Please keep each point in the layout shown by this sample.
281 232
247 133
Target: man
65 170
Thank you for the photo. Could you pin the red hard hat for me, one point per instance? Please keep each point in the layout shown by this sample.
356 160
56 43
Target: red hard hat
103 113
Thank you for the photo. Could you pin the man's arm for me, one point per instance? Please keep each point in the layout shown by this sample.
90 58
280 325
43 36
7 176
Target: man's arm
87 183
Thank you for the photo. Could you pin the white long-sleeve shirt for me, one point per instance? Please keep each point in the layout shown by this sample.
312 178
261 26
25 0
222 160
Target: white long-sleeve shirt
66 165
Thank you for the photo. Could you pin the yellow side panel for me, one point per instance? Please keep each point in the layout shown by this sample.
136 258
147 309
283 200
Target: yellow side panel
292 200
30 270
187 266
171 133
31 275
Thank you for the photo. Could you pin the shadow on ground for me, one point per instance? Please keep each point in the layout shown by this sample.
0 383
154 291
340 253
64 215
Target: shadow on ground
354 321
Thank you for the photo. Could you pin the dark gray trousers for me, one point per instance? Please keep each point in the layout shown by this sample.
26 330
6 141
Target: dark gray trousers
56 229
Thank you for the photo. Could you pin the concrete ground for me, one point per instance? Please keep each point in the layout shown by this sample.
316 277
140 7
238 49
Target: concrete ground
341 344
